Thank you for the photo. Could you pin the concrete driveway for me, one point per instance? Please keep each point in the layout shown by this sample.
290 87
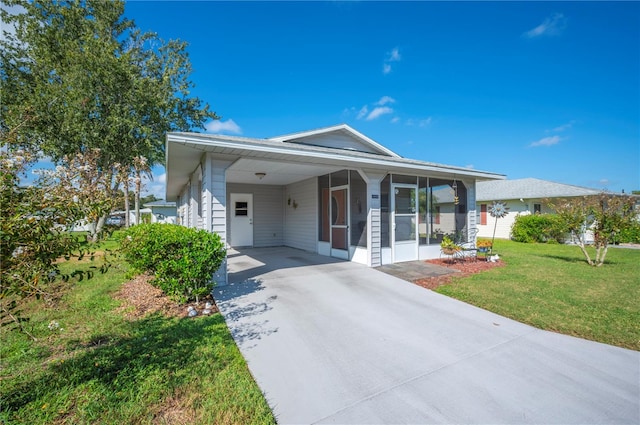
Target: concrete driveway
330 341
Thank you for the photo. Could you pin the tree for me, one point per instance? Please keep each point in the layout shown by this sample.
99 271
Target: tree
77 76
33 223
605 215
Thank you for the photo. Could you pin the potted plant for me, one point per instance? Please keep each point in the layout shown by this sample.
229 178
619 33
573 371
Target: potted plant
484 245
449 247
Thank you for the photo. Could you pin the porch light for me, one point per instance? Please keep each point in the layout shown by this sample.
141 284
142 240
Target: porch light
260 175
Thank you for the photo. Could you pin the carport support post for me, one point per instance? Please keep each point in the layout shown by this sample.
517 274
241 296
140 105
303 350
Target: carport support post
373 179
214 199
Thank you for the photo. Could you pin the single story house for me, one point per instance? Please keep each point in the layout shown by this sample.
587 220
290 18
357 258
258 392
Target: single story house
162 211
521 196
332 191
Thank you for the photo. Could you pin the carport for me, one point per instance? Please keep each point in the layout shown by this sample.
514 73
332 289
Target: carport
331 341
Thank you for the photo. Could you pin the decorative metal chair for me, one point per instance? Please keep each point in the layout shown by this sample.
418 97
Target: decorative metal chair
466 239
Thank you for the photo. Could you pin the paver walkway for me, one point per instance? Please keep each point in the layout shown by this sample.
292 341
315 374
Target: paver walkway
412 270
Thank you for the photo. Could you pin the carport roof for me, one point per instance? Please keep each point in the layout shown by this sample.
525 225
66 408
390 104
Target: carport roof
184 151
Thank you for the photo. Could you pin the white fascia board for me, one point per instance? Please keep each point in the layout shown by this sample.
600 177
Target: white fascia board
377 163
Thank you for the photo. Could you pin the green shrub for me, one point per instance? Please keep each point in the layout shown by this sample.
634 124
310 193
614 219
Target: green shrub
182 259
629 234
537 228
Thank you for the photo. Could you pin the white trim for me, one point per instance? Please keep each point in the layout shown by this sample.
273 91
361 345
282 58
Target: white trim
386 164
403 250
344 127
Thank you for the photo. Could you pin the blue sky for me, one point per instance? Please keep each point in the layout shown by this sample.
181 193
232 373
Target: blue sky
528 89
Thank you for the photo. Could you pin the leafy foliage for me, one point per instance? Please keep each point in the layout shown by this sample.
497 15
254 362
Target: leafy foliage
448 245
630 234
605 215
182 259
538 228
34 223
78 76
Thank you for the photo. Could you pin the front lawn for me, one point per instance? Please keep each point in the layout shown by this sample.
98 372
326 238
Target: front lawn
90 364
552 287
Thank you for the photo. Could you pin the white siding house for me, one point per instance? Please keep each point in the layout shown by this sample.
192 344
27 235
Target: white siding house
332 191
522 197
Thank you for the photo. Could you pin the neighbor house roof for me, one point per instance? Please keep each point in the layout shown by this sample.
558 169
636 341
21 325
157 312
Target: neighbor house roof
161 203
528 188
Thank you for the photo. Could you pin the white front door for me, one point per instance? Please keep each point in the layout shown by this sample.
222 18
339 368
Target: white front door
241 219
404 212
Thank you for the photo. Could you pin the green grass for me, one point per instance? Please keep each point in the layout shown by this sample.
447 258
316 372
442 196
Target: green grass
552 287
101 368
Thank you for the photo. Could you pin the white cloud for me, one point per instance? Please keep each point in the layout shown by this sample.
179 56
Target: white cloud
392 56
376 109
546 141
552 25
378 112
384 100
564 127
155 186
362 112
395 120
425 122
469 166
219 126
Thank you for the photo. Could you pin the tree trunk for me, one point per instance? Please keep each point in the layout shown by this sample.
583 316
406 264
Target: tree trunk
602 253
127 207
137 196
582 248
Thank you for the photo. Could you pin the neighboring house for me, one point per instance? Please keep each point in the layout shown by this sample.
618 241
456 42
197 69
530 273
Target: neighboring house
522 196
332 191
145 215
162 211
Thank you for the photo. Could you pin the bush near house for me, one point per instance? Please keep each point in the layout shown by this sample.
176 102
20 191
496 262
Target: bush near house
539 228
182 259
629 234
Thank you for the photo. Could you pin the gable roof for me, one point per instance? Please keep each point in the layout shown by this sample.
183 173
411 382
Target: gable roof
314 138
529 188
184 151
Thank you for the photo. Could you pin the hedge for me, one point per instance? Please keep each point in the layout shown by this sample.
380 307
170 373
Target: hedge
182 259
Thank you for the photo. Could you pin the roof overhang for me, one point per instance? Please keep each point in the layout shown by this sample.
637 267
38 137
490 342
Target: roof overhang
286 163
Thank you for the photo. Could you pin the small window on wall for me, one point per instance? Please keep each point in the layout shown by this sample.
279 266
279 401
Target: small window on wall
242 209
537 208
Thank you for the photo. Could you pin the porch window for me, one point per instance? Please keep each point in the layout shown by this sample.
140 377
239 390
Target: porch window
385 188
446 209
358 209
399 178
422 209
340 178
324 226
